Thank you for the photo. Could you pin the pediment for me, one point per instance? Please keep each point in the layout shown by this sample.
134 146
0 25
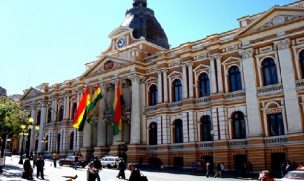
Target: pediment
151 80
273 18
30 93
201 67
231 60
122 30
105 64
175 74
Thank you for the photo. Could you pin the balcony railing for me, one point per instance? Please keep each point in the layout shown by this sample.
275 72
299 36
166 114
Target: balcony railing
237 143
151 147
276 140
151 108
202 100
206 145
176 146
270 89
236 94
175 105
300 84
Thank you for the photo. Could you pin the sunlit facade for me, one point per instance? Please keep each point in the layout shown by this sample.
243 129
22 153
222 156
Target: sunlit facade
236 97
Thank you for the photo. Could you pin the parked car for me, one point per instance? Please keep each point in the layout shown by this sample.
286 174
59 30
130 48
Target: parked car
110 161
293 176
70 160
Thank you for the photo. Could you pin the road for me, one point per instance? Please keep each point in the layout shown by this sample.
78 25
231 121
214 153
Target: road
13 171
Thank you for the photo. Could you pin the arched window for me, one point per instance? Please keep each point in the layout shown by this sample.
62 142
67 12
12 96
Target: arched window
178 131
239 126
302 62
153 134
38 118
71 141
153 95
61 109
74 109
177 90
206 128
235 79
270 72
204 86
49 119
275 124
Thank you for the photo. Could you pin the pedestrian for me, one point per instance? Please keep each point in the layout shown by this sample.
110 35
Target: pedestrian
122 168
75 162
97 166
54 157
222 169
91 172
35 159
28 170
218 170
40 165
135 173
208 169
283 169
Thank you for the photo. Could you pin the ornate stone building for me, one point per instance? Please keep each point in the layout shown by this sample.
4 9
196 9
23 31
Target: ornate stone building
236 97
2 92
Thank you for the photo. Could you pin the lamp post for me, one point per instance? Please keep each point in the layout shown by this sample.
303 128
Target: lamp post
23 134
44 141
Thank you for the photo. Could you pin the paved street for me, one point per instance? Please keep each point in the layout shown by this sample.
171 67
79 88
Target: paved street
13 171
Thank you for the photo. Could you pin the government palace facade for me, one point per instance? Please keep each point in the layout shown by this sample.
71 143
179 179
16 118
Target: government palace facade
235 97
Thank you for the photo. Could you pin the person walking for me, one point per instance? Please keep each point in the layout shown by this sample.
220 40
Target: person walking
28 170
218 170
75 164
91 172
40 166
135 173
122 168
97 166
222 169
54 156
208 169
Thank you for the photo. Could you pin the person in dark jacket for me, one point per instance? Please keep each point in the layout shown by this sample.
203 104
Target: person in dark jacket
121 167
135 173
92 172
40 165
97 166
28 170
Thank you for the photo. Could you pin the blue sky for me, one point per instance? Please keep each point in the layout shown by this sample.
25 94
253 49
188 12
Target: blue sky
49 41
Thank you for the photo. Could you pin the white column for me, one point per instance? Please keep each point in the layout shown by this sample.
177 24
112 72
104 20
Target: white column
192 127
219 73
254 118
213 116
87 135
159 88
101 125
54 109
223 126
190 71
166 129
31 139
185 127
135 111
185 84
212 76
165 85
289 83
67 107
143 129
41 131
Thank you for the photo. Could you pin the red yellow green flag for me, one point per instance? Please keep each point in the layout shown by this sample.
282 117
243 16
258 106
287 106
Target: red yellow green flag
81 110
117 109
91 108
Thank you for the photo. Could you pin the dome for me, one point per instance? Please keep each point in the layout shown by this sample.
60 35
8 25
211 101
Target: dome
144 24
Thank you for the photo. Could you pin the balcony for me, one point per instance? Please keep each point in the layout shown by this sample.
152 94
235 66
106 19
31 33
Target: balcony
150 109
271 89
152 148
177 146
175 105
300 84
275 140
237 143
235 94
202 101
206 145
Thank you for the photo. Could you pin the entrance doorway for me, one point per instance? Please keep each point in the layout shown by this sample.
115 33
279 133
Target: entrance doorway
206 159
276 161
178 162
240 162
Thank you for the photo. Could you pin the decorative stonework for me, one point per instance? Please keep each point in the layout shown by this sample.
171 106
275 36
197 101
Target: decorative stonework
283 44
176 63
277 20
248 53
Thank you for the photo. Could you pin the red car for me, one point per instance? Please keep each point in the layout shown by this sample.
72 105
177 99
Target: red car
70 160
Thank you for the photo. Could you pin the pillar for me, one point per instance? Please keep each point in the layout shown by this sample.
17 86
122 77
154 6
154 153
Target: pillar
159 87
165 76
135 111
185 84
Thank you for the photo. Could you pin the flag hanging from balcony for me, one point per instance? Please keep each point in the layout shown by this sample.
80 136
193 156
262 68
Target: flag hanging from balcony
81 110
91 108
117 109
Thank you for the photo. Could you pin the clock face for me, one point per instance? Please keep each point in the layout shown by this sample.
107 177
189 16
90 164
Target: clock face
121 42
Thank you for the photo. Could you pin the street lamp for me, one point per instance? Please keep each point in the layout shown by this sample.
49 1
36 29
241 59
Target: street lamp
44 141
23 134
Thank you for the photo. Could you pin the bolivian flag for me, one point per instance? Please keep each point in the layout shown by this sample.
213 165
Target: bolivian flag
117 109
81 110
91 108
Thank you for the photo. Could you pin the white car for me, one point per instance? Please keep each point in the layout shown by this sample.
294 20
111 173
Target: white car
293 176
110 161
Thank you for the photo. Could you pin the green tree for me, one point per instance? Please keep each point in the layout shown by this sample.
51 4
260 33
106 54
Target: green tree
11 117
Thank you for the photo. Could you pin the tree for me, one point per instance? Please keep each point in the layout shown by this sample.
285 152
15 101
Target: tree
11 117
